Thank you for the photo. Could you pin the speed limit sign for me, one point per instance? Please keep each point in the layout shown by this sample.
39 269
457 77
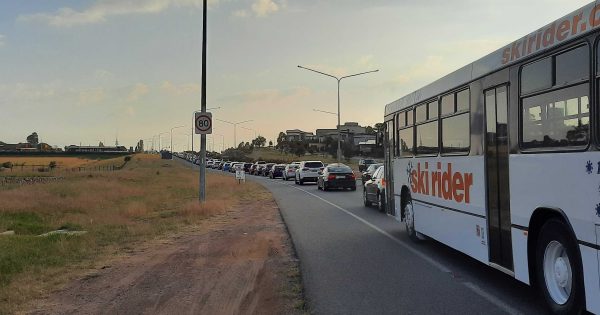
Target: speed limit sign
203 123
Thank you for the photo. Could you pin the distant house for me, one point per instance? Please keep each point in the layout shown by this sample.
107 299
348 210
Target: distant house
95 149
368 146
25 147
298 135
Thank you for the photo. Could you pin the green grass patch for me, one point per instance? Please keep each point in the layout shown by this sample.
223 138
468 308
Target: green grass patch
21 253
23 223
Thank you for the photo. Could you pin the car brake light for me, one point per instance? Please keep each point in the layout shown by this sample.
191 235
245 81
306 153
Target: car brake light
383 182
352 176
331 177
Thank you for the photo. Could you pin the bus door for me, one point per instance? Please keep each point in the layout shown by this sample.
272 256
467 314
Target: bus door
389 147
496 164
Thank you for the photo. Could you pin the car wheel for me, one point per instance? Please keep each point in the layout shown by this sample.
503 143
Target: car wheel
381 202
325 188
300 181
365 199
353 188
558 269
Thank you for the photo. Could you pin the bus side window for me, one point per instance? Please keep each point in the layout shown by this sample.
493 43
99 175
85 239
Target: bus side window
406 136
559 117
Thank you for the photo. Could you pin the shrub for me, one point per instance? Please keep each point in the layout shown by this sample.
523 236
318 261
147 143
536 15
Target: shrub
52 164
7 165
127 159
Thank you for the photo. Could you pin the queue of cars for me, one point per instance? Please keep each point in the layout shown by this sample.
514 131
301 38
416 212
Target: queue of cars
327 176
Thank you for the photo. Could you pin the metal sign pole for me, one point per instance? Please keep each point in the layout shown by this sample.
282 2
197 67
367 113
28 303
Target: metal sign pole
203 109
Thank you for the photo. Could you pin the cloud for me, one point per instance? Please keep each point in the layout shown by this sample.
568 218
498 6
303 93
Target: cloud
262 8
2 40
366 61
181 89
137 92
240 13
101 10
92 96
103 75
130 111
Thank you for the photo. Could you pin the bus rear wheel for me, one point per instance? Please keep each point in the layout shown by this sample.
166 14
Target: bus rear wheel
558 269
409 219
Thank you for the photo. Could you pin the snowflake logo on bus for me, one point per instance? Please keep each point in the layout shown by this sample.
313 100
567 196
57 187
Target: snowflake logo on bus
589 167
409 169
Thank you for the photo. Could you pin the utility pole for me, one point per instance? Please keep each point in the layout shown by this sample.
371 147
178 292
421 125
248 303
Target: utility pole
202 179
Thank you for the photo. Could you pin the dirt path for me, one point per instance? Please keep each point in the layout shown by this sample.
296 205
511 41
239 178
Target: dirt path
240 264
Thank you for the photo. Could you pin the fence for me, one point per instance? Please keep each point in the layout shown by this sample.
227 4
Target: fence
46 168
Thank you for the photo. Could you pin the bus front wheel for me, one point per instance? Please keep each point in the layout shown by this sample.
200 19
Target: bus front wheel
558 268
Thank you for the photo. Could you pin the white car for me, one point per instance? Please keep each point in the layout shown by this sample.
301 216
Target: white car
290 171
308 171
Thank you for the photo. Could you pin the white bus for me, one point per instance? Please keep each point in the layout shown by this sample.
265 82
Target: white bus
500 160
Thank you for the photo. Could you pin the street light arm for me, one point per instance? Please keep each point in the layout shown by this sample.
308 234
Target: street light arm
323 111
225 121
245 121
323 73
357 74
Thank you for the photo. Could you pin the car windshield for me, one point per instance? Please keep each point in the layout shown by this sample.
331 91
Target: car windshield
372 168
339 169
313 164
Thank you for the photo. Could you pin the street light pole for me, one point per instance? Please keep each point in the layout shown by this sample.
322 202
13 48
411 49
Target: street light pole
338 79
234 128
159 143
172 139
249 129
222 141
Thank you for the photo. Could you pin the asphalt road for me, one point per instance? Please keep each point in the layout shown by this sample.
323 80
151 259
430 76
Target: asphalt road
356 260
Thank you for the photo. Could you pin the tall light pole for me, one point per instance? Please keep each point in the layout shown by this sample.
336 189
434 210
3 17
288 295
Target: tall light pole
172 138
249 129
222 141
188 139
193 122
338 79
151 140
159 143
234 128
202 177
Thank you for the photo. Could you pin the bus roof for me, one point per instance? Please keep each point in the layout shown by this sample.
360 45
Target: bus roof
573 25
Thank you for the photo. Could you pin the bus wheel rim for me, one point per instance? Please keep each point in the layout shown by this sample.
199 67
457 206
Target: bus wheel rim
557 272
408 211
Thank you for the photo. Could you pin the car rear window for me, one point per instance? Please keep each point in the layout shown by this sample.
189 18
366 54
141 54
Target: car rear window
313 164
369 161
339 169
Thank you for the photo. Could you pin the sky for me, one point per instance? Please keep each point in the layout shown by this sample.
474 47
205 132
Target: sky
85 71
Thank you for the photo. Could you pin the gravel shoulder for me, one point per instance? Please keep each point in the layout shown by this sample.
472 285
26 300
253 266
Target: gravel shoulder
241 262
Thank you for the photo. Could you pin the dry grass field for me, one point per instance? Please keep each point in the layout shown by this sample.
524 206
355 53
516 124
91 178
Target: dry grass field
145 200
30 166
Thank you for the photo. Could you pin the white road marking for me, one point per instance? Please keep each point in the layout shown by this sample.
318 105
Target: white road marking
479 291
